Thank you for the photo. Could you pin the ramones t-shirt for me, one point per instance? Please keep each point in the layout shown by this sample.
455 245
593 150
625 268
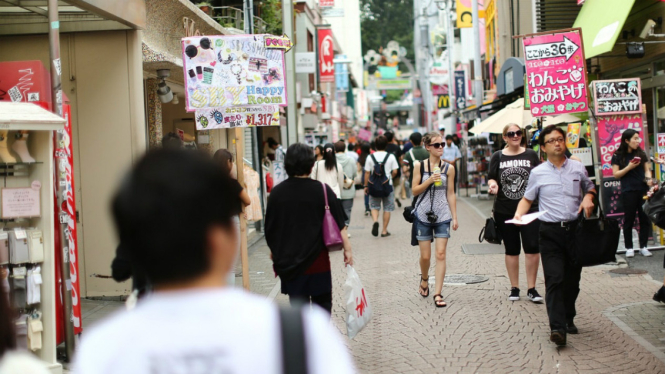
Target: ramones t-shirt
512 174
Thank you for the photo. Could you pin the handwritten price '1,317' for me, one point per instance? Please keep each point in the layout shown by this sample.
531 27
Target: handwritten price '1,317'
259 119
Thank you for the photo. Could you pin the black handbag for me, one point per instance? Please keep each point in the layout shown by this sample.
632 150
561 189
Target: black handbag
654 208
596 240
490 233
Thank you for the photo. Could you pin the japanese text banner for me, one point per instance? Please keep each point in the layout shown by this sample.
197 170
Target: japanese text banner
556 73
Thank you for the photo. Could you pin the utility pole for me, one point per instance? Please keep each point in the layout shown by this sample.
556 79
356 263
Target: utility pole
292 109
477 73
450 41
61 180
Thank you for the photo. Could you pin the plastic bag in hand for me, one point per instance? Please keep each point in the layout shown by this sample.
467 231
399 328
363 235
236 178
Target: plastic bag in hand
358 308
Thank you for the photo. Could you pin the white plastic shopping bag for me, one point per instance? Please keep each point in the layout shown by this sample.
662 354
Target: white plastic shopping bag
358 308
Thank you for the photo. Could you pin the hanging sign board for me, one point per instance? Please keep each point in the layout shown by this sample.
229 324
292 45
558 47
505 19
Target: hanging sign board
610 129
232 70
325 55
21 202
573 135
617 96
661 142
241 116
556 73
460 95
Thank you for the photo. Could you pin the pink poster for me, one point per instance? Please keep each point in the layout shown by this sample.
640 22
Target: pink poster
556 73
365 135
610 129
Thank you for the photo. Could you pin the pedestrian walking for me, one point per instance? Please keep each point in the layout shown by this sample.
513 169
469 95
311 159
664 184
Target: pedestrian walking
380 169
393 148
362 160
630 165
174 212
350 171
451 154
563 191
329 171
318 152
509 172
351 152
435 213
416 153
294 231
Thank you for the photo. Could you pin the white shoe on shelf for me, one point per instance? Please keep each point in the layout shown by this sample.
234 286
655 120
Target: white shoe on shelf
630 253
645 252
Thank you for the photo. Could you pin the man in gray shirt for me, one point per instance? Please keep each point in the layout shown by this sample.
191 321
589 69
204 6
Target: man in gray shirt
558 185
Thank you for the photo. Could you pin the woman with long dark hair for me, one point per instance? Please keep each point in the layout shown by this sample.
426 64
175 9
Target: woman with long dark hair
329 171
630 165
364 153
318 152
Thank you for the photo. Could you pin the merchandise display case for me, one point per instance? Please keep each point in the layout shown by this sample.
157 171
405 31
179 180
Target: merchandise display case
27 224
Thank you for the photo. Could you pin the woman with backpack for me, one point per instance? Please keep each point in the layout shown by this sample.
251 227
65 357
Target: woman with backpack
435 212
329 171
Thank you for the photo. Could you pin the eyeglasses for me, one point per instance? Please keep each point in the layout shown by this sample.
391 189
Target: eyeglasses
512 134
438 145
552 141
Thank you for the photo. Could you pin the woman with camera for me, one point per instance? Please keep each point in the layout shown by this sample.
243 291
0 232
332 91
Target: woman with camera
509 173
630 165
435 211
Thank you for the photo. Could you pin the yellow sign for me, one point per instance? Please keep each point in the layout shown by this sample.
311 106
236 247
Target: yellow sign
465 13
490 29
573 136
443 101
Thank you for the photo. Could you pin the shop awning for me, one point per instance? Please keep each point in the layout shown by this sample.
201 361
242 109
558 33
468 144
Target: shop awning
600 27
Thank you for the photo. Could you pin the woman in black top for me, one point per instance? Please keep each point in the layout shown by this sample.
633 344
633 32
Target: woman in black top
364 153
509 172
630 165
294 230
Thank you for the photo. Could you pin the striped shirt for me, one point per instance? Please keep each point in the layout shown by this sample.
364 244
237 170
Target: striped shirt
558 189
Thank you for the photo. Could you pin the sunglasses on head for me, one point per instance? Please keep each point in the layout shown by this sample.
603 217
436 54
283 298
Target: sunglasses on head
438 145
512 134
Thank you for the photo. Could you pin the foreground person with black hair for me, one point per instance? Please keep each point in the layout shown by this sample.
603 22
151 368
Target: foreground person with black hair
174 213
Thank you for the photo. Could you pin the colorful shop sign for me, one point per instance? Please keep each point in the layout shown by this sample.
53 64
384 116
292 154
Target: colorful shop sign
610 129
460 90
325 55
232 70
241 116
617 96
573 135
556 73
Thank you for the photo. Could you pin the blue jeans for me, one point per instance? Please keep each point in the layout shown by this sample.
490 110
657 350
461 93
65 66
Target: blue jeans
366 195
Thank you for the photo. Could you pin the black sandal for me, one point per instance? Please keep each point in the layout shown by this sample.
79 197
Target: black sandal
426 289
439 303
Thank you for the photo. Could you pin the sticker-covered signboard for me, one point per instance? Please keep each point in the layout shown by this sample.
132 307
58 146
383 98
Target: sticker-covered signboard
241 116
556 73
610 129
232 70
618 96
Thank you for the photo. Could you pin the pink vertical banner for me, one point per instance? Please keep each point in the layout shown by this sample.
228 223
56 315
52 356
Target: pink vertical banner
365 135
610 129
556 73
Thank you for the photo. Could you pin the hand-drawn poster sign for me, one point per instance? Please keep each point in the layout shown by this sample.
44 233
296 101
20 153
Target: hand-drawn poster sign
618 96
228 71
21 202
610 129
242 116
556 73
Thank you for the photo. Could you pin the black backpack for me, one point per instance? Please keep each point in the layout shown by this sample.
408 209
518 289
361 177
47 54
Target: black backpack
379 183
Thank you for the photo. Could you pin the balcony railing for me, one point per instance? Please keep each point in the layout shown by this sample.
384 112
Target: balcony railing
233 17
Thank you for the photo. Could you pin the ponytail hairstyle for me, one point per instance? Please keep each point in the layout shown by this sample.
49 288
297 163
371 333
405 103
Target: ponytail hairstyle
329 156
622 151
223 156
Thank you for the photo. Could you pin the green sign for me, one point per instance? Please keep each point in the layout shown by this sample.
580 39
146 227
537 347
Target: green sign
527 102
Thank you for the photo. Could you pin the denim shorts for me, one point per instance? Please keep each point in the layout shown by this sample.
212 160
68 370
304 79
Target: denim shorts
425 230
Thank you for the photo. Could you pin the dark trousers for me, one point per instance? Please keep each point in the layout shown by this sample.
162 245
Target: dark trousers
324 300
366 195
562 279
632 206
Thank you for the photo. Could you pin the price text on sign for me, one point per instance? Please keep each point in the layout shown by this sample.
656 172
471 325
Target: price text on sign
618 96
555 74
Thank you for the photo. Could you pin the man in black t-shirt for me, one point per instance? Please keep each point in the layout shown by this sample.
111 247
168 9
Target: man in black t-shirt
396 151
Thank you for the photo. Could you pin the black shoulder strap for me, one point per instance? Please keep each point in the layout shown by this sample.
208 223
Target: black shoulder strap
294 351
373 159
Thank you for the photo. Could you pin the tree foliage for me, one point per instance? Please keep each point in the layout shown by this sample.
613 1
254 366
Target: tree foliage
384 20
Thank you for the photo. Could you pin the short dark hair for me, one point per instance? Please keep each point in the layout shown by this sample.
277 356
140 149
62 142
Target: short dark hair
299 160
165 208
351 147
548 130
389 136
416 138
171 140
449 137
381 142
340 146
223 156
272 142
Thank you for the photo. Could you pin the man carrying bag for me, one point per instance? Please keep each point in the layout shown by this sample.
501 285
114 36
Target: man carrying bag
557 184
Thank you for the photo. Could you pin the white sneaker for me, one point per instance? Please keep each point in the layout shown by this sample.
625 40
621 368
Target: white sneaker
645 252
349 235
630 253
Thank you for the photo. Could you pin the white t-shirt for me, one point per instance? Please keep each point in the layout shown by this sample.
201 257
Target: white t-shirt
205 331
388 166
23 362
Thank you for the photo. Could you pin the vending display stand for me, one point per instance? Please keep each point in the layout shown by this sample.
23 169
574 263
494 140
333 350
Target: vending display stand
26 208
